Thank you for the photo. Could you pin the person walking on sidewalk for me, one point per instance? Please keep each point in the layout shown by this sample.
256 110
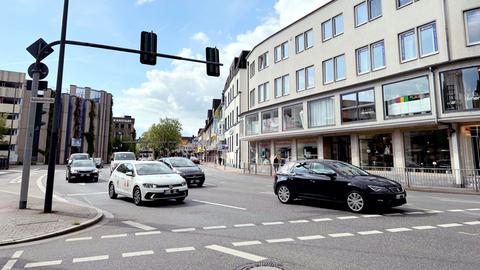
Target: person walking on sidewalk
275 163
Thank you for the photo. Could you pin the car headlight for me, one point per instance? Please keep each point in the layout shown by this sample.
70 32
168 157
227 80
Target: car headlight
149 185
95 171
377 188
73 171
184 183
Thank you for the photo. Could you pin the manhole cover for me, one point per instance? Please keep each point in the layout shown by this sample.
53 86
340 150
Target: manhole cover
262 266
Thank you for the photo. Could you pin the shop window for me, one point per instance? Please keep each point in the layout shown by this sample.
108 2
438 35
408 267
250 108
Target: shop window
461 89
307 149
407 98
427 149
321 112
264 154
270 121
293 117
252 152
283 150
358 106
376 150
251 124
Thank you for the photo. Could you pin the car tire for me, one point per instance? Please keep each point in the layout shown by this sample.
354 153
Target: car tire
284 194
355 201
137 196
180 200
111 191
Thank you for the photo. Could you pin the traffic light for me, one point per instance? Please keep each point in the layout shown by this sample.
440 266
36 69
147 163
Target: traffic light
148 43
212 56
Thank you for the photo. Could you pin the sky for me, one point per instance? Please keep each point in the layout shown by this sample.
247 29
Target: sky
175 89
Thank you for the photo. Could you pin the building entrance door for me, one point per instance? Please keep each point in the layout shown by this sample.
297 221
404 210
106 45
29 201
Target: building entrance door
337 148
475 133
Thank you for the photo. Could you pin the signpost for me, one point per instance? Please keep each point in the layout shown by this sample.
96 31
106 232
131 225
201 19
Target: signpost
42 100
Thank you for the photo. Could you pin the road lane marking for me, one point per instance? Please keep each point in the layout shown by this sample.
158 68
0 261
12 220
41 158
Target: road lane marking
86 194
393 214
244 225
237 253
90 259
43 264
473 209
184 230
42 189
113 236
139 225
450 225
223 205
147 233
299 221
336 235
369 232
16 180
424 227
321 219
433 211
246 243
415 213
137 253
370 216
182 249
78 239
280 240
273 223
394 230
456 210
9 265
310 237
472 223
17 254
472 234
214 227
347 217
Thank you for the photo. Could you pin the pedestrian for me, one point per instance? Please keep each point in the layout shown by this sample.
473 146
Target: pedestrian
220 161
275 163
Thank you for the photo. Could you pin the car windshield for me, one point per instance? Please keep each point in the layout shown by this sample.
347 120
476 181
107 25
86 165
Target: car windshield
124 156
347 169
181 162
152 169
98 159
82 163
78 157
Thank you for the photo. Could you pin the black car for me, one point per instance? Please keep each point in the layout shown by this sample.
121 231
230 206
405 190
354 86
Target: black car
187 169
98 162
333 180
84 169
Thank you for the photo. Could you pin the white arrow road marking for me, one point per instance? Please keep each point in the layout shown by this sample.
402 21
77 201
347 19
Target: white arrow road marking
43 264
17 254
139 225
42 189
237 253
223 205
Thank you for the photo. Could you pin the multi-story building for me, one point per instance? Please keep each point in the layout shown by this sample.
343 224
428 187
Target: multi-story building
231 96
85 124
391 84
123 134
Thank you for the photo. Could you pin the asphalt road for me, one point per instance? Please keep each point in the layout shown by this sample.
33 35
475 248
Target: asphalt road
235 220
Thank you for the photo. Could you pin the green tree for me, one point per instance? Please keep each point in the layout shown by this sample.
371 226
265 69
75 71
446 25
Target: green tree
163 137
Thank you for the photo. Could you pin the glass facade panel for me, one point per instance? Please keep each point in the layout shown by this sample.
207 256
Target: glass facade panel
408 46
251 124
378 55
327 30
328 71
270 121
361 14
472 22
338 25
293 117
407 98
461 89
252 152
321 112
307 149
428 39
337 148
363 62
427 149
376 150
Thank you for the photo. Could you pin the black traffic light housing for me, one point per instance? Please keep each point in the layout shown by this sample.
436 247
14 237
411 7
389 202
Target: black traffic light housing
212 55
148 44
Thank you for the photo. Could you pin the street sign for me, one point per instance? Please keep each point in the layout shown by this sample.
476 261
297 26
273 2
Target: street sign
42 100
42 85
41 67
39 49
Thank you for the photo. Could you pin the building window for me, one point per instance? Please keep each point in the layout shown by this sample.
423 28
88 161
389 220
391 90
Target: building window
472 26
252 98
376 150
263 61
327 30
407 98
367 11
361 14
282 86
251 124
270 121
309 39
363 60
340 68
461 89
402 3
428 39
304 41
427 149
328 71
310 73
252 69
378 55
338 25
374 9
300 79
281 52
263 92
408 46
358 106
293 117
307 149
321 112
334 69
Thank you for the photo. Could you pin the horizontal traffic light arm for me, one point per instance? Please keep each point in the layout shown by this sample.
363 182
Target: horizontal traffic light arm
120 49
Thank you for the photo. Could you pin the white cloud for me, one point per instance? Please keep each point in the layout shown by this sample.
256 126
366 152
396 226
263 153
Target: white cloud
201 36
141 2
184 91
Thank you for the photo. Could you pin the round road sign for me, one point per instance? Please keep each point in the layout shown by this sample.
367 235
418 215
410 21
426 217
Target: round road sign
41 68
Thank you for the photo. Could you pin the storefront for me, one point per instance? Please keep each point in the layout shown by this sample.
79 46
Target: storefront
427 149
283 151
376 150
337 148
307 148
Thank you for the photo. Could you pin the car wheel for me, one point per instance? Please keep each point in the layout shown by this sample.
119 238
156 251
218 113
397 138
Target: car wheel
356 201
111 191
137 196
180 200
284 194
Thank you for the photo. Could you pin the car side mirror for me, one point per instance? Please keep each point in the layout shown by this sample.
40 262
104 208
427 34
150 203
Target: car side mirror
129 173
332 175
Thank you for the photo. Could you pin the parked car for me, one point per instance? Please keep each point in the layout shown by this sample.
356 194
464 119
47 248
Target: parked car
338 181
82 169
98 162
146 181
120 157
195 160
192 173
81 156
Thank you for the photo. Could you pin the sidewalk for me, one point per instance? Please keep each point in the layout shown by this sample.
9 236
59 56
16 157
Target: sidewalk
222 167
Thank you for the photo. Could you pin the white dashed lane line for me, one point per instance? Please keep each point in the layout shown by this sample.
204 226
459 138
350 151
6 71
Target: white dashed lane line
456 210
113 236
370 216
78 239
369 232
90 259
147 233
347 217
310 237
450 225
335 235
137 253
246 243
184 230
424 227
138 225
17 254
394 230
299 221
237 253
280 240
244 225
472 223
181 249
43 264
321 219
273 223
215 227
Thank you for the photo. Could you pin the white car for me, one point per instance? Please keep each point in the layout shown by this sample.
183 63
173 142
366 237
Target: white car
120 157
146 181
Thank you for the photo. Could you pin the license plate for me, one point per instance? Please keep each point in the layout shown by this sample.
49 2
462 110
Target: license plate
170 191
400 196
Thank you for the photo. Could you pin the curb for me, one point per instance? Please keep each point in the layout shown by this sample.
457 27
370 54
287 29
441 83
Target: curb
67 230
